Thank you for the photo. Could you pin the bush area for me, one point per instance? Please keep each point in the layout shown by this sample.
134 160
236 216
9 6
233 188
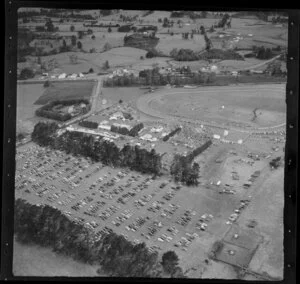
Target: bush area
216 248
184 170
125 29
125 131
25 74
262 52
101 150
88 124
171 134
44 133
190 55
275 163
49 227
48 111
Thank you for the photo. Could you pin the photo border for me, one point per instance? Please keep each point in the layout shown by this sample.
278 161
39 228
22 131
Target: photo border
9 133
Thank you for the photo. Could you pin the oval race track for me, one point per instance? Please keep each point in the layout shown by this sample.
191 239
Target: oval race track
269 92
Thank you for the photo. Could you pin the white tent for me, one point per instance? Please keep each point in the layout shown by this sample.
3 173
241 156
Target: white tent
62 76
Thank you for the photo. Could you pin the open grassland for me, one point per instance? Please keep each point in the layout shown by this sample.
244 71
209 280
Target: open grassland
66 91
128 95
267 210
31 260
168 42
27 94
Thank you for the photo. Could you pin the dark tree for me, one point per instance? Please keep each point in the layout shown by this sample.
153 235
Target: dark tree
49 26
72 28
106 65
47 84
73 40
170 261
80 34
79 45
26 73
109 29
20 136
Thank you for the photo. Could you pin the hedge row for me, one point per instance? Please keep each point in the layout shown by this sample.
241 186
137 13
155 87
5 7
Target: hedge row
171 134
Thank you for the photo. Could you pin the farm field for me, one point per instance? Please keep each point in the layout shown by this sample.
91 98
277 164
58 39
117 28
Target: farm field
66 91
250 32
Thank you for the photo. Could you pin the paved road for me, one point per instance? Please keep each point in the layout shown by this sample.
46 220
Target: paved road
144 101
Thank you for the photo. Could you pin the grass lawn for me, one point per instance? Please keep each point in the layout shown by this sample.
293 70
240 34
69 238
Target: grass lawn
66 91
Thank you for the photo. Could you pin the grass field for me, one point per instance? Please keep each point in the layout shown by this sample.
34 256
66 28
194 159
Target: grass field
31 260
250 30
267 210
27 94
66 91
221 104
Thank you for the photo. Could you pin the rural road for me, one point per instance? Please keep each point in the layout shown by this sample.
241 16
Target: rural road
259 64
143 103
94 101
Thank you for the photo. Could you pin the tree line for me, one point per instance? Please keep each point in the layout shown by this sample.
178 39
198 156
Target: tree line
184 170
88 124
190 55
171 134
46 226
153 77
48 110
99 150
125 131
